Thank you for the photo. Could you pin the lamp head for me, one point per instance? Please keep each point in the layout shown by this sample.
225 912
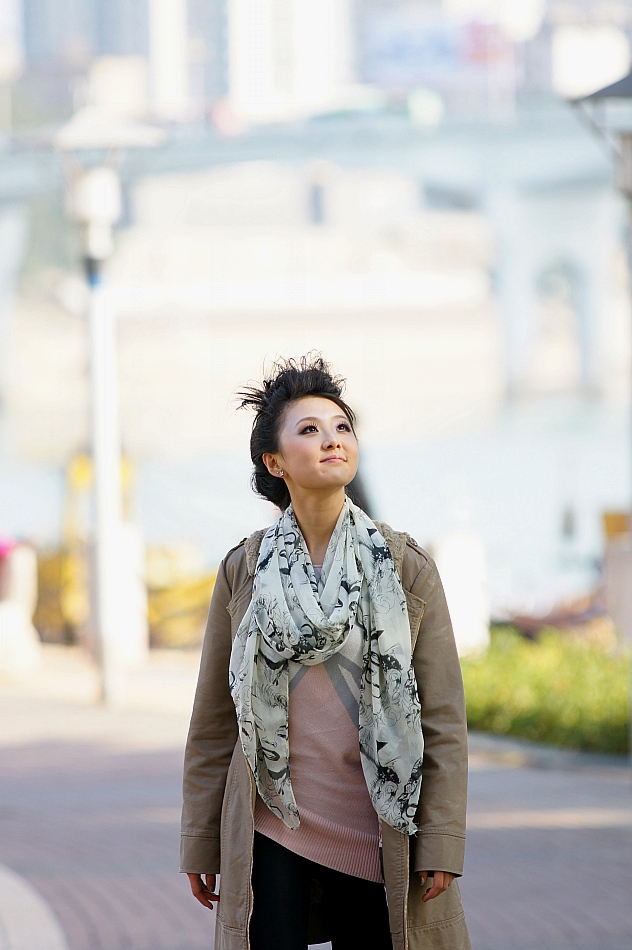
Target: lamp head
609 111
90 128
95 203
94 193
622 89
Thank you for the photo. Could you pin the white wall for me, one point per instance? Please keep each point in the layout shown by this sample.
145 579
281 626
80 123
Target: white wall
581 227
169 59
287 58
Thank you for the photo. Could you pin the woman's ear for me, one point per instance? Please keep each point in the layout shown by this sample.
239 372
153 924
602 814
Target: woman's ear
272 464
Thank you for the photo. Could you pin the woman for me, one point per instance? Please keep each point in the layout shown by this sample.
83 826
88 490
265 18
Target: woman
326 763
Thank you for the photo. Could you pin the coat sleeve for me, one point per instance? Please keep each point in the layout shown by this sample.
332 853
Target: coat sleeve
211 741
440 842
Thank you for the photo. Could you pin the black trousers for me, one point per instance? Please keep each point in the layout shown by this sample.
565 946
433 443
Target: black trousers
282 884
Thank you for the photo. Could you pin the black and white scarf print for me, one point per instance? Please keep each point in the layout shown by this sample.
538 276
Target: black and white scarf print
295 617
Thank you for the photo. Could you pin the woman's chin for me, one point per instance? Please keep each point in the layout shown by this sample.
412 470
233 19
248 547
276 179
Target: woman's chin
327 484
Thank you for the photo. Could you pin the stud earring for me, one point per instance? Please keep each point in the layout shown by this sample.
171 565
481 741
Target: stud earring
281 474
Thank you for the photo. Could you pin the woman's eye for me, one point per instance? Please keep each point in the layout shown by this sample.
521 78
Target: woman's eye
345 427
309 428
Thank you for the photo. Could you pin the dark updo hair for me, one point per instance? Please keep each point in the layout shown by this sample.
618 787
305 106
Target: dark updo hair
290 380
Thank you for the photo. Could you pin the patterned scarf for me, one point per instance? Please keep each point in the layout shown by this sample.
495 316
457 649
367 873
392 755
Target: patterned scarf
294 617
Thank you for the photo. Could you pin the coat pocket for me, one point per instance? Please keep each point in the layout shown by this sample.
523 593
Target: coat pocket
438 924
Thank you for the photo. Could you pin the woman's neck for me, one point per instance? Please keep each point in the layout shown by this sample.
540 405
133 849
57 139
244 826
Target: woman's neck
317 516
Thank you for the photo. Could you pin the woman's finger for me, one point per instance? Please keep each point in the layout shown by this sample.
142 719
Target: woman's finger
442 881
434 891
205 897
201 891
211 881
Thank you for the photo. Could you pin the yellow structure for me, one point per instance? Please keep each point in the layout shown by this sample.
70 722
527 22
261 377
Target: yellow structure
178 593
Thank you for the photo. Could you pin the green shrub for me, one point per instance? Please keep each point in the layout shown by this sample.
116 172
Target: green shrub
555 690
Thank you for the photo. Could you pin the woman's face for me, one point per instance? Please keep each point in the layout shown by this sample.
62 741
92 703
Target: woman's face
317 446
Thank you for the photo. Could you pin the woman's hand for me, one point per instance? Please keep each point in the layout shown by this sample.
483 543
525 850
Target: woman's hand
442 881
205 893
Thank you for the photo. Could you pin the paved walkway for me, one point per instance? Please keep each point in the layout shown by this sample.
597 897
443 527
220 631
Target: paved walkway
89 809
549 859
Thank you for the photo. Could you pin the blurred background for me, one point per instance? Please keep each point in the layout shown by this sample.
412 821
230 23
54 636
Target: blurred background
398 185
190 189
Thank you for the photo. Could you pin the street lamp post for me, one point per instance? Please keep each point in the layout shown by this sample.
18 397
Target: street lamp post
94 203
609 112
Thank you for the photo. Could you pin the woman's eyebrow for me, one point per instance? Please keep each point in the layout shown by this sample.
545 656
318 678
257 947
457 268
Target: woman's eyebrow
316 419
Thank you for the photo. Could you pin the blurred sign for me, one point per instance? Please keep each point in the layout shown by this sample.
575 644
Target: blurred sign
520 20
615 523
407 48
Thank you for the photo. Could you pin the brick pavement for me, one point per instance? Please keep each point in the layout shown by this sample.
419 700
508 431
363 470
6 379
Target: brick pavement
551 888
89 803
95 831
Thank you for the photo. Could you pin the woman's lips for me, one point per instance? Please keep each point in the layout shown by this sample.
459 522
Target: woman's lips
334 458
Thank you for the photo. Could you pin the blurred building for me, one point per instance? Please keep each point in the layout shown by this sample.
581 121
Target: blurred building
248 61
208 50
11 41
224 268
562 284
467 60
183 47
288 58
487 57
272 60
456 250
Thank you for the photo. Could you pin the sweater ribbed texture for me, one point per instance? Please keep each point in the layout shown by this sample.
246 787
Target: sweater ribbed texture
324 842
339 826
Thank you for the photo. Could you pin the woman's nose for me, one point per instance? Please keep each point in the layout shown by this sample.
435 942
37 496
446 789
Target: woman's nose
332 441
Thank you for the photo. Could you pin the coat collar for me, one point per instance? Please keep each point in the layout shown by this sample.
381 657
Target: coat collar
396 541
252 545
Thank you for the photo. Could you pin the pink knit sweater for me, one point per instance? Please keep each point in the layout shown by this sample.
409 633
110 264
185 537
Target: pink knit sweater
339 826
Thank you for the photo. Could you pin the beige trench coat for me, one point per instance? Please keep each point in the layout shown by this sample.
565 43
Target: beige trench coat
219 792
